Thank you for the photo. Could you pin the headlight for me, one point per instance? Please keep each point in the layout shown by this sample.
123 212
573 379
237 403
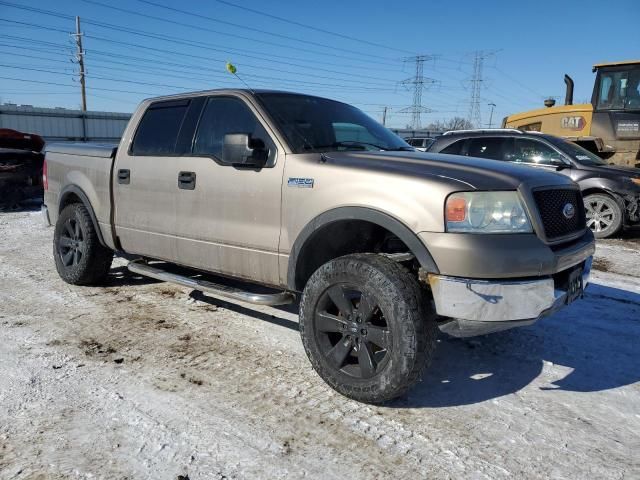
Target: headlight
486 212
635 180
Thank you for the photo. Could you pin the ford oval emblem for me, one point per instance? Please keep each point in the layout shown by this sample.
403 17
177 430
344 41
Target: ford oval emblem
569 211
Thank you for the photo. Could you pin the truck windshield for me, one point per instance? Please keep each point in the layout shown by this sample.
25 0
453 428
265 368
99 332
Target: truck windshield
578 153
312 124
619 89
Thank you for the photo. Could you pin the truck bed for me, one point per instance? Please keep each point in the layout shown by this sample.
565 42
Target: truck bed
82 169
102 150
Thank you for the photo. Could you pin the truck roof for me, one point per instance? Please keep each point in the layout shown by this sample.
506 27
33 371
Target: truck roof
613 64
245 91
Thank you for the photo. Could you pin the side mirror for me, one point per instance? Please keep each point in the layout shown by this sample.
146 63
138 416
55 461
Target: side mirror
559 163
240 150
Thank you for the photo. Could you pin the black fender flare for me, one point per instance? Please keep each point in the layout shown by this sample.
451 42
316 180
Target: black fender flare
607 186
75 190
371 215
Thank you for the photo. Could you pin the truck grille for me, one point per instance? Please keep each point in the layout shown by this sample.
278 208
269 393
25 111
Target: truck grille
551 204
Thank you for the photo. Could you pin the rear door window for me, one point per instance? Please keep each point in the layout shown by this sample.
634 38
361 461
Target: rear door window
158 131
455 148
488 147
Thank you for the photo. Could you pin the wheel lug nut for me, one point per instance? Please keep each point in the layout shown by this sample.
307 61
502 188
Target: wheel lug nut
363 331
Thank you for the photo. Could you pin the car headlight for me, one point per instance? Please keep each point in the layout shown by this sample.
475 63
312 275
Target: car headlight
486 212
635 180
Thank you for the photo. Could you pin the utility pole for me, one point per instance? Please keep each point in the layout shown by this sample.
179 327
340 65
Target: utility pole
492 105
384 116
80 60
417 84
476 86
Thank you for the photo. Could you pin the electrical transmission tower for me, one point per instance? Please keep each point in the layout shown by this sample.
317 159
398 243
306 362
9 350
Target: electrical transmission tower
417 83
475 116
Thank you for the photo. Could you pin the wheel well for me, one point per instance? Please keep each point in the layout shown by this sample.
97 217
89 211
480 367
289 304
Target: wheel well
343 237
591 191
600 191
68 199
75 195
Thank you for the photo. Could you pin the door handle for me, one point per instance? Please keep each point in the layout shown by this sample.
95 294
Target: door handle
187 180
124 176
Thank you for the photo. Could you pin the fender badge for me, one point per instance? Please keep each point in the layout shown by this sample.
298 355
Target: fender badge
300 182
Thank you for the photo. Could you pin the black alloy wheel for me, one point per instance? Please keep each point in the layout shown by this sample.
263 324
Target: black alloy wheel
352 331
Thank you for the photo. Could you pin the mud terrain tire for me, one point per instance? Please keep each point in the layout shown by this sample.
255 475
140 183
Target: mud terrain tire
380 355
79 256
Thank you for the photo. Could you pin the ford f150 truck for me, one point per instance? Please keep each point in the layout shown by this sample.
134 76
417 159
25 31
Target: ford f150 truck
311 197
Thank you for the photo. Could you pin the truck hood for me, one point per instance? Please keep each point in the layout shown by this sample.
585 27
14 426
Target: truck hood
469 173
612 171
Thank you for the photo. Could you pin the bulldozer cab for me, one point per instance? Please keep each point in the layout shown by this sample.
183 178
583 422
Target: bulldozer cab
616 109
609 126
617 87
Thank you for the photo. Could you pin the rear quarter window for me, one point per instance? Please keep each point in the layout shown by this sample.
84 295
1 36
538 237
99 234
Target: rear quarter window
157 133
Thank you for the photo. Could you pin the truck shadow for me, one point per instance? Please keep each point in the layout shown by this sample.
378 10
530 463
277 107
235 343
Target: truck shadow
593 345
122 277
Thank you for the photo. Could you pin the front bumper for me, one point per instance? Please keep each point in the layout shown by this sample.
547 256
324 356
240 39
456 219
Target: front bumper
478 307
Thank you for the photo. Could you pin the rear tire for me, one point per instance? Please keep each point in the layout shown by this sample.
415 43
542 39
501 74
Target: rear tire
367 327
604 215
79 256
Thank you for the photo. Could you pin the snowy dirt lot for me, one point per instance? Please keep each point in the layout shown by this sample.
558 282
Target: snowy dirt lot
141 380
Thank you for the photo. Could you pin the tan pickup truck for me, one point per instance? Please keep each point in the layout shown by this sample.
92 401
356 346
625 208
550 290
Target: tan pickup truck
312 198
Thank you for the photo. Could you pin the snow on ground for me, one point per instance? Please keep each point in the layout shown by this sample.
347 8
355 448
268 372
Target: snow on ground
140 380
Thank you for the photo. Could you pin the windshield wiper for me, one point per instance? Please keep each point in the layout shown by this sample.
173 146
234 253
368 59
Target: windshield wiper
348 144
402 149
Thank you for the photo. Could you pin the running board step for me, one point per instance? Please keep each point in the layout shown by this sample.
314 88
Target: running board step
280 298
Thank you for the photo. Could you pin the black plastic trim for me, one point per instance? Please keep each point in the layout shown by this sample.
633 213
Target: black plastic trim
73 189
358 213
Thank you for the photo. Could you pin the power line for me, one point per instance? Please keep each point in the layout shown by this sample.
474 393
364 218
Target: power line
261 42
216 20
182 54
32 25
41 82
518 82
209 46
260 67
144 83
311 27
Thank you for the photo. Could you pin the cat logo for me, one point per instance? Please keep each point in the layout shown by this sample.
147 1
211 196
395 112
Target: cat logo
573 123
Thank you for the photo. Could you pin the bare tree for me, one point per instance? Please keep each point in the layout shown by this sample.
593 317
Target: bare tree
455 123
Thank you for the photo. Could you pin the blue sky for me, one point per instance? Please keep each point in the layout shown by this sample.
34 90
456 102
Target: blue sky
530 45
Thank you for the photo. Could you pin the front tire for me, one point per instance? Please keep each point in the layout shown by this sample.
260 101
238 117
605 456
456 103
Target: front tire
366 327
79 256
604 215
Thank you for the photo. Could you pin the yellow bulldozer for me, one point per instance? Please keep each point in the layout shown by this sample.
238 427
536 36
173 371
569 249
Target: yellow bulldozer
609 126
